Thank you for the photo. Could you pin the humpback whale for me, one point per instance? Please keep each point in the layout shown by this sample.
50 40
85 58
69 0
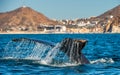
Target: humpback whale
71 47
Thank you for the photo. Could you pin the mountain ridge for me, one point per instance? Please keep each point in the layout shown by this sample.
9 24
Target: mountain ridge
112 12
24 16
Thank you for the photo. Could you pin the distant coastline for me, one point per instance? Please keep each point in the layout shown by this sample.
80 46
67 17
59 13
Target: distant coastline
26 20
54 33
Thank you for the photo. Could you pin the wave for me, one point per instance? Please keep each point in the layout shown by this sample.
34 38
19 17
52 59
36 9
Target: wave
66 64
97 61
102 60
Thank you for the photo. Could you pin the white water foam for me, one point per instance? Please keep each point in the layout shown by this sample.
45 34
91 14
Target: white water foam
66 64
52 53
98 61
56 65
102 60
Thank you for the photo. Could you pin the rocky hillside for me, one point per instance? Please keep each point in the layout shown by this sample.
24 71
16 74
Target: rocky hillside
111 20
114 12
24 16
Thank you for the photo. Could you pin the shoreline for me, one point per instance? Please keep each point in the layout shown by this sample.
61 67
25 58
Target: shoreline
52 33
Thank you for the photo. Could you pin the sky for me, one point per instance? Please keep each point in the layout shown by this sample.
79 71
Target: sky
62 9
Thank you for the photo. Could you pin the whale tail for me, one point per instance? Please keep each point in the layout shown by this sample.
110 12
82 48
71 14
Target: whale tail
33 40
72 48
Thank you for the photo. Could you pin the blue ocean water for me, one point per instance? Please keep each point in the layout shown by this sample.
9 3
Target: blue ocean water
102 50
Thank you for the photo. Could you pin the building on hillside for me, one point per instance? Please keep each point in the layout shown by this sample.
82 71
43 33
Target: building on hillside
53 28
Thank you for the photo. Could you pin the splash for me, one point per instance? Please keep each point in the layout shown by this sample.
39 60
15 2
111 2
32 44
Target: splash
102 60
45 53
25 49
30 50
68 51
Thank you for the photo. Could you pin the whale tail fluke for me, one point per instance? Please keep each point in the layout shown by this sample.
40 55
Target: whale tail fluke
70 47
33 40
73 48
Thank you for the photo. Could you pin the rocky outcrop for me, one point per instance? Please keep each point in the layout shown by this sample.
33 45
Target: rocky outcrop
113 25
109 27
110 20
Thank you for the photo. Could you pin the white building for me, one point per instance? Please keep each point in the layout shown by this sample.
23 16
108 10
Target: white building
54 28
82 23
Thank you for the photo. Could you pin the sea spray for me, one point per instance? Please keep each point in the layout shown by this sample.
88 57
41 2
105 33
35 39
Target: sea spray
65 52
39 51
25 49
52 53
102 60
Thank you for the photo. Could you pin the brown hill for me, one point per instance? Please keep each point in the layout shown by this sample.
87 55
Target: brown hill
111 24
24 16
114 12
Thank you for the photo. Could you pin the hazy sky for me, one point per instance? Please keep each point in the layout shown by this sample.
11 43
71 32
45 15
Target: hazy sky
62 9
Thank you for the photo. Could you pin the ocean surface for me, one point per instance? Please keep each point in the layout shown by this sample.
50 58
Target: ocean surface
102 50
